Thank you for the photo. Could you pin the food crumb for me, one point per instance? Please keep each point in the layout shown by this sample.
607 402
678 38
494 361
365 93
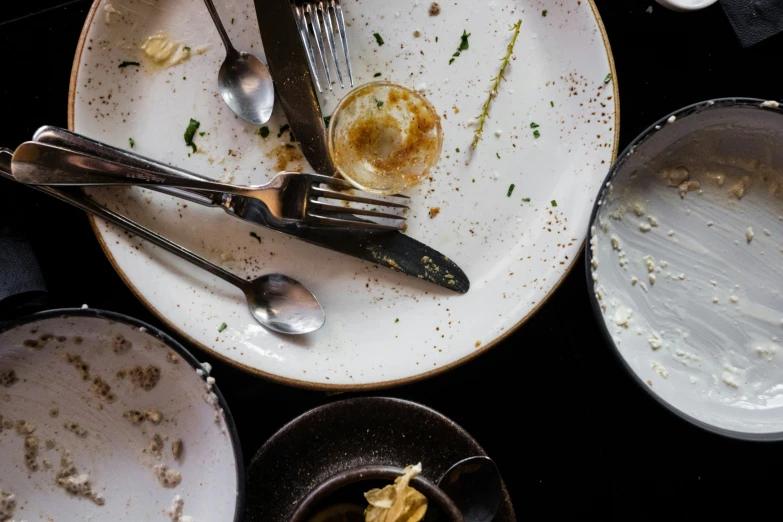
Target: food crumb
121 344
167 477
434 9
478 343
145 378
8 378
154 416
749 234
31 452
176 448
434 211
74 428
54 412
156 445
75 483
135 417
172 358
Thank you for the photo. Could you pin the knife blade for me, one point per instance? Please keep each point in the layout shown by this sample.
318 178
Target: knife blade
394 250
293 80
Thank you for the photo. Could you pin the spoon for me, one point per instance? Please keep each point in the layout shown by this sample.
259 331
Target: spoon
475 487
278 302
244 82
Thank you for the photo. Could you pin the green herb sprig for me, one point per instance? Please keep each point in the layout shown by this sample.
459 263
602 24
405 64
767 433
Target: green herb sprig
495 84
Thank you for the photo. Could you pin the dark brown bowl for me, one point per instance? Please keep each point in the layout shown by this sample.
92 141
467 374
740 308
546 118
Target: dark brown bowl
328 488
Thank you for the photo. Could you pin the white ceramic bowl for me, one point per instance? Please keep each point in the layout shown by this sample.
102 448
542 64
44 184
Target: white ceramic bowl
685 264
67 379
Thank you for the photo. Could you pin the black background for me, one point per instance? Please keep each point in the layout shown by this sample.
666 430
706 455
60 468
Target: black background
572 433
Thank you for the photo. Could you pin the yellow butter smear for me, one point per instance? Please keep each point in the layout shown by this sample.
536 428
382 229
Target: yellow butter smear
397 502
164 51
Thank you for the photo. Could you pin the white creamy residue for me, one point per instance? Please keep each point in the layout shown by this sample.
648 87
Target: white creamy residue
175 511
7 506
714 306
165 51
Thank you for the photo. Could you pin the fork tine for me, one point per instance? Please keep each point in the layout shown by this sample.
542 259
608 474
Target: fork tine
319 41
329 30
342 196
338 14
325 207
350 223
302 24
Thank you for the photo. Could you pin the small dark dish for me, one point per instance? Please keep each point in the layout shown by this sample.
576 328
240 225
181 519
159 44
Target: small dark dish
349 434
344 484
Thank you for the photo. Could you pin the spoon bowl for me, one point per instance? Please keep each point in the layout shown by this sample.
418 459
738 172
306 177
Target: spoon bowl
246 86
243 81
475 486
284 305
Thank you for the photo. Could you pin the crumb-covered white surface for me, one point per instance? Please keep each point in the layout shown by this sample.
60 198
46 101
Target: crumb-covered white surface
68 454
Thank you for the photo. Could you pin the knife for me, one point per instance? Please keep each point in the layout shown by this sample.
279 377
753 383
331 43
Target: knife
394 250
288 65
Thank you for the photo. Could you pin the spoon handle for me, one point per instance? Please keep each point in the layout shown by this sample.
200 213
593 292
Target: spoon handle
78 199
219 26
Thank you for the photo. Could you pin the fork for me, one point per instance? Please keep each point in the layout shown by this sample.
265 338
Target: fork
309 15
289 199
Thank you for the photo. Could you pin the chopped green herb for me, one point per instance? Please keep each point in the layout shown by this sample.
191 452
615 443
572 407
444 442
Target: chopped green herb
230 152
264 131
186 49
378 103
534 125
497 154
474 180
222 327
543 13
283 129
457 149
510 190
126 64
376 75
190 132
327 119
132 143
554 203
536 134
526 200
463 46
201 133
608 78
397 320
184 77
378 38
256 236
551 104
232 21
436 39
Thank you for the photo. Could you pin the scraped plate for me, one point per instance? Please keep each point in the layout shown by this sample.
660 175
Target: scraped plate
551 134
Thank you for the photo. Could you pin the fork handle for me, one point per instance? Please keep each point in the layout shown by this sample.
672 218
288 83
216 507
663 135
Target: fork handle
36 163
79 200
69 140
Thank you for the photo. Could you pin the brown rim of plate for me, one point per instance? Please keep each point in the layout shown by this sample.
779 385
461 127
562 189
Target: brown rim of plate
323 386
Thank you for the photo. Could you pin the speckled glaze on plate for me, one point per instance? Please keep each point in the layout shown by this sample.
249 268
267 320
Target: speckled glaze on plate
48 391
382 328
350 433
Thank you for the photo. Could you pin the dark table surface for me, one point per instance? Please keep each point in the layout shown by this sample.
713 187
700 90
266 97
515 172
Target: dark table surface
572 433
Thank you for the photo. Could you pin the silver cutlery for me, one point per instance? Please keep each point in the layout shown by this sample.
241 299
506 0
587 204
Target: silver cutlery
288 63
289 199
310 16
278 302
244 82
397 251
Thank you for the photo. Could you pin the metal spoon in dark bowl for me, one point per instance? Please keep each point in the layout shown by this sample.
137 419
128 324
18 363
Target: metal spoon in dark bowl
244 82
474 485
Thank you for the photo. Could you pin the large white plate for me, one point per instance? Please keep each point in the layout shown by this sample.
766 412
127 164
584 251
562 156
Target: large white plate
382 327
47 403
